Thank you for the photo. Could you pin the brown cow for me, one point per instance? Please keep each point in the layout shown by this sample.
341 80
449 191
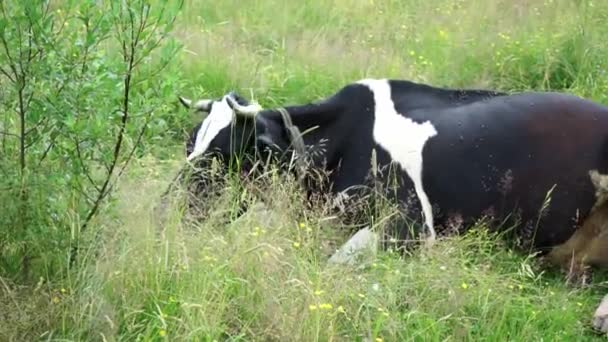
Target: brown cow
588 246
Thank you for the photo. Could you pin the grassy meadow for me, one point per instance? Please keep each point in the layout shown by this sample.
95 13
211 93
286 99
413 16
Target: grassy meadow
263 276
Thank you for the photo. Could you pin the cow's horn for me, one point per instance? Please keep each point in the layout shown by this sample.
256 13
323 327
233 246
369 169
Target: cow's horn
186 102
201 105
249 110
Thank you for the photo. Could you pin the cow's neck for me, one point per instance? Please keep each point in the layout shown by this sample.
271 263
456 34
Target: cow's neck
303 127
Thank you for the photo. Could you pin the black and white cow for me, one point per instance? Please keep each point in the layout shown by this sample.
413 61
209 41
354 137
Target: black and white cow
464 153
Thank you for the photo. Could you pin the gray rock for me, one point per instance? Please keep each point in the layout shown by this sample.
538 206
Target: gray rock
600 318
363 243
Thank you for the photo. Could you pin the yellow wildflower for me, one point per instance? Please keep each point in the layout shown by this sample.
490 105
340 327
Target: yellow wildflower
257 231
56 300
361 295
302 225
378 339
325 306
296 244
319 292
341 309
63 290
162 333
464 285
312 307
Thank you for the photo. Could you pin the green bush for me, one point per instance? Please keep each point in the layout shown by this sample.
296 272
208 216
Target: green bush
80 86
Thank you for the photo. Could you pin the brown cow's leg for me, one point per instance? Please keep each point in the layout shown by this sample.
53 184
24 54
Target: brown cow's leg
588 246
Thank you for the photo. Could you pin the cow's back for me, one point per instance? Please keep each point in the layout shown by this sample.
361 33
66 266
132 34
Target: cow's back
506 153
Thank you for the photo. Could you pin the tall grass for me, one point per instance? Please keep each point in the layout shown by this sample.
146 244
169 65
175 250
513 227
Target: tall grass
300 51
264 276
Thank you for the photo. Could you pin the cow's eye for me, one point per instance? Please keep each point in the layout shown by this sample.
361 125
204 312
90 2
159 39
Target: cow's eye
189 148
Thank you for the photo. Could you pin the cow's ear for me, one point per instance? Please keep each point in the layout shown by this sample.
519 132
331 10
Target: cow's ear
270 134
595 178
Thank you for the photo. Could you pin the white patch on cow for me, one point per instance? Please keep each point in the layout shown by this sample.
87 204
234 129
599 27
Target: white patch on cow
220 117
403 139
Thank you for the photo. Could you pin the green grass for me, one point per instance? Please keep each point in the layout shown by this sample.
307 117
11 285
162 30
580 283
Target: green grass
264 276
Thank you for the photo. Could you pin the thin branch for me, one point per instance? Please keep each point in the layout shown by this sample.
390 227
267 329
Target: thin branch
130 155
30 34
47 9
33 142
21 127
5 73
46 151
36 125
20 59
83 166
117 148
3 169
85 54
132 24
83 191
8 134
152 34
29 101
8 55
130 45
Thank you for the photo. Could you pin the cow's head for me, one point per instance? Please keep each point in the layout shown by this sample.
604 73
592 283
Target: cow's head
232 127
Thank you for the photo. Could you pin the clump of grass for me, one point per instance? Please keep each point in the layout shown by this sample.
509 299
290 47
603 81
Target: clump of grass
264 276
